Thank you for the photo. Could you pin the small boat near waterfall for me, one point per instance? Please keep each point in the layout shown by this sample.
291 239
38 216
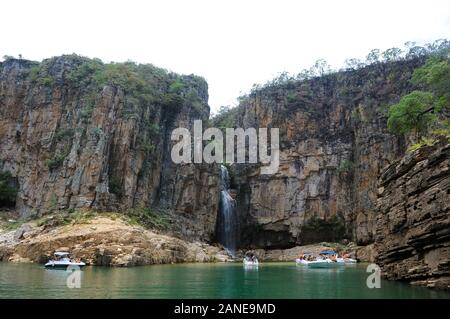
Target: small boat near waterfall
247 262
250 260
62 260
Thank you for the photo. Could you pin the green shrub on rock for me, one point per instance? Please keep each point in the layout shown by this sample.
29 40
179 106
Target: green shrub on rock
345 166
55 161
115 186
149 218
425 112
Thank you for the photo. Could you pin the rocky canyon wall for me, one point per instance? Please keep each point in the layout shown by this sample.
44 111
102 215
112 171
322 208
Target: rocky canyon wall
77 133
334 144
413 225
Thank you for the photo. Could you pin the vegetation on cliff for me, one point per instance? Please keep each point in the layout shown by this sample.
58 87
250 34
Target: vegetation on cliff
334 141
225 117
425 112
375 58
149 218
143 82
106 142
80 133
143 86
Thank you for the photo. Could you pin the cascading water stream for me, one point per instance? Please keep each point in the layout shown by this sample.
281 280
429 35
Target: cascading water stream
226 219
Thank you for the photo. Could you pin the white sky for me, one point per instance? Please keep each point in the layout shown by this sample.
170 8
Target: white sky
232 43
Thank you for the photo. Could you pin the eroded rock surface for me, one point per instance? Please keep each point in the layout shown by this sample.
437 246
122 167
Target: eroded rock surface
413 225
105 242
72 143
334 144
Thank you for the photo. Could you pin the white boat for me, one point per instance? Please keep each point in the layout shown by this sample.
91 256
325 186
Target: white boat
339 260
346 261
320 263
325 259
250 262
62 261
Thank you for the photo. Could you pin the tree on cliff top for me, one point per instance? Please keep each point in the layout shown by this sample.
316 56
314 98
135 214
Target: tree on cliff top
425 111
225 117
412 113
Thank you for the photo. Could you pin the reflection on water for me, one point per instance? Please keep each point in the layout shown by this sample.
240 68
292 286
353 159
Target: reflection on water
269 280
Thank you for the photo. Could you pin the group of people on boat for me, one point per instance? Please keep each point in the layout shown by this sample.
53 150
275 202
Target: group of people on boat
250 258
323 258
333 256
307 257
63 260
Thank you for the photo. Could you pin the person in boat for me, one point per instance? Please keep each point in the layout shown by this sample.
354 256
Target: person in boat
249 256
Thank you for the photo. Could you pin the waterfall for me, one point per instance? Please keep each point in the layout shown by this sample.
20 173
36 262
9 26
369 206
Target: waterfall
226 219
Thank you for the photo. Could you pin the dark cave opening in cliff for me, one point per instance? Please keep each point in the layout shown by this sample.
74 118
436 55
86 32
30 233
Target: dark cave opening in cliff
8 190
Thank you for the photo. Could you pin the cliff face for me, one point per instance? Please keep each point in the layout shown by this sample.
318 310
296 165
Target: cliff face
334 143
413 226
77 133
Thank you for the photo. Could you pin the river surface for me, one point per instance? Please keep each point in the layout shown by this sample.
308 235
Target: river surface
232 280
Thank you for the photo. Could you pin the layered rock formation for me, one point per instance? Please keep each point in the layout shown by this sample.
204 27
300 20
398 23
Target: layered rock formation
78 133
413 225
334 144
103 241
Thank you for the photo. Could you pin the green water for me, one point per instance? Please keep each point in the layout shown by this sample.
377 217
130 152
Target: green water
270 280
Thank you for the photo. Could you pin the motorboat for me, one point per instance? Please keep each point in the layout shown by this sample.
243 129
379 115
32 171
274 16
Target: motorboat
318 263
62 260
333 256
250 261
345 261
325 259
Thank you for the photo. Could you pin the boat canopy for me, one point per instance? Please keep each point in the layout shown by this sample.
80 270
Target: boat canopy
328 253
61 253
